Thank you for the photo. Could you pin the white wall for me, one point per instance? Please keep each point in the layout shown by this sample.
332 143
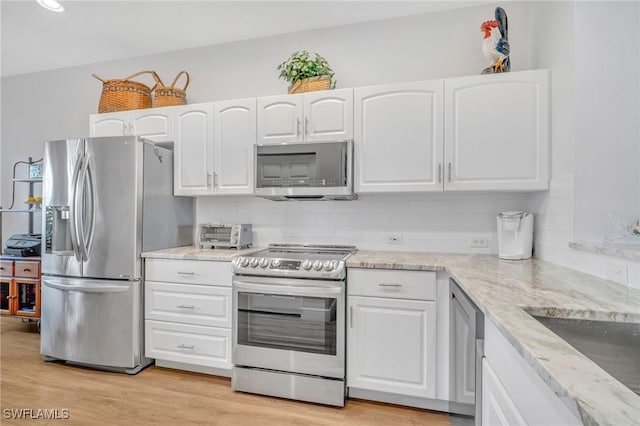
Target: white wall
56 104
595 135
607 107
431 222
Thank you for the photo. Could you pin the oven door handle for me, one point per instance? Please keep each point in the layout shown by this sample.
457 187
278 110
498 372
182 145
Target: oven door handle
288 290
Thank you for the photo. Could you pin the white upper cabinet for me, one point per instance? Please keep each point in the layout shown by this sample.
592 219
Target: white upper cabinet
110 124
313 116
155 124
280 119
398 137
497 132
193 150
328 115
234 136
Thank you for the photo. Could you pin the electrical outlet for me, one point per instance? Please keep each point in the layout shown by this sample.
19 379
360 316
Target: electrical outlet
618 273
394 239
479 242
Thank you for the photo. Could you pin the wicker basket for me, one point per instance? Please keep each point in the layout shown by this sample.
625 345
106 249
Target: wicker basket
123 95
170 95
311 84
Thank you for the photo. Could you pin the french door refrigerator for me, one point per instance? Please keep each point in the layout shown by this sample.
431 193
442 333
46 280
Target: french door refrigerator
105 200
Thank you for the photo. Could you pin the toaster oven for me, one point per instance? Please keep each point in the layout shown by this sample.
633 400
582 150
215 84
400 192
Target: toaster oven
211 235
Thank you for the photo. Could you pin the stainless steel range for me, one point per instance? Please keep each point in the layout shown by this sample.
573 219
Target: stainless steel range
289 322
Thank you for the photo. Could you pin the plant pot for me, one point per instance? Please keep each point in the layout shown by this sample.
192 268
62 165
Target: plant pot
311 84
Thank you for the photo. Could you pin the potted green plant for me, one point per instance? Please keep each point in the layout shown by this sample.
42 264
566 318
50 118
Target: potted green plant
306 73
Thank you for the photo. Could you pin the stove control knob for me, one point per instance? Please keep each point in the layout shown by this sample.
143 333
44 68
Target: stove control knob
254 262
306 265
244 262
264 263
328 265
317 265
234 233
275 263
234 240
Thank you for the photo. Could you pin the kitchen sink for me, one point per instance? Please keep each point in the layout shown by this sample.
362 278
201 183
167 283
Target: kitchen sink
614 346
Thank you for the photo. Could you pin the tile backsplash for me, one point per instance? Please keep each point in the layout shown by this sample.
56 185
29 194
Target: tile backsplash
431 222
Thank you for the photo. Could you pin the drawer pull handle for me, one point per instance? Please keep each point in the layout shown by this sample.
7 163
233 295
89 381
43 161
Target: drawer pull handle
186 346
394 285
27 270
186 273
186 306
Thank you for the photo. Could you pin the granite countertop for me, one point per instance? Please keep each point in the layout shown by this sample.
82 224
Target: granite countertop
503 289
195 253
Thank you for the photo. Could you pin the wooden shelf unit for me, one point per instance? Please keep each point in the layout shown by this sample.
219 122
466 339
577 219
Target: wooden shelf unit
20 286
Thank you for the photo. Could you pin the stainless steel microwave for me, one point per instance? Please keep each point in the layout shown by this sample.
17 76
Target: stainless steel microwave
305 171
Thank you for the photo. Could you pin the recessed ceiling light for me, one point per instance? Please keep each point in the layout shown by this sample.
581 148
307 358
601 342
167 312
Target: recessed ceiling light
51 5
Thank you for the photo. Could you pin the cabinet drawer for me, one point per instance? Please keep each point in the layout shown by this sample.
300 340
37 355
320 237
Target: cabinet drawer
189 271
190 344
6 268
27 269
190 304
396 284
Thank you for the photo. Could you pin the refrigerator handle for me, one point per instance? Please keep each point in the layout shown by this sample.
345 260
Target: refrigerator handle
79 209
73 219
92 204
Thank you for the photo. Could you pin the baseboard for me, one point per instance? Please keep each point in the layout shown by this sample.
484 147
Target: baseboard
194 368
409 401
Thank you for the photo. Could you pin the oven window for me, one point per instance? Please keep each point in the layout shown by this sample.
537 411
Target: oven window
302 324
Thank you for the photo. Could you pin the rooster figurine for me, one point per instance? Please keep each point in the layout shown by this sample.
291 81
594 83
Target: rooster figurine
496 43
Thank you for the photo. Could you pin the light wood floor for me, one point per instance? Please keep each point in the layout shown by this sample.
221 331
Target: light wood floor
159 396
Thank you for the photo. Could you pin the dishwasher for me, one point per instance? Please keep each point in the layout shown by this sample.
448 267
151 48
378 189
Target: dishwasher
466 350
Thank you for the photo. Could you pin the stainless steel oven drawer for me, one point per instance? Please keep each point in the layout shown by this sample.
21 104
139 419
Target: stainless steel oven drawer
300 387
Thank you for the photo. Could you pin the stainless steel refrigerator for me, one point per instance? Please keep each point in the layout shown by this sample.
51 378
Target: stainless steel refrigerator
105 200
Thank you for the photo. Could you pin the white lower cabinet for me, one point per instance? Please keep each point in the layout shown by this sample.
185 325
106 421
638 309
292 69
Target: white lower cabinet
391 341
188 315
512 392
188 344
497 407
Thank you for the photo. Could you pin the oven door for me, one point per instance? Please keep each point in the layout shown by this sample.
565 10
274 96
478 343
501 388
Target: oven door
289 325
